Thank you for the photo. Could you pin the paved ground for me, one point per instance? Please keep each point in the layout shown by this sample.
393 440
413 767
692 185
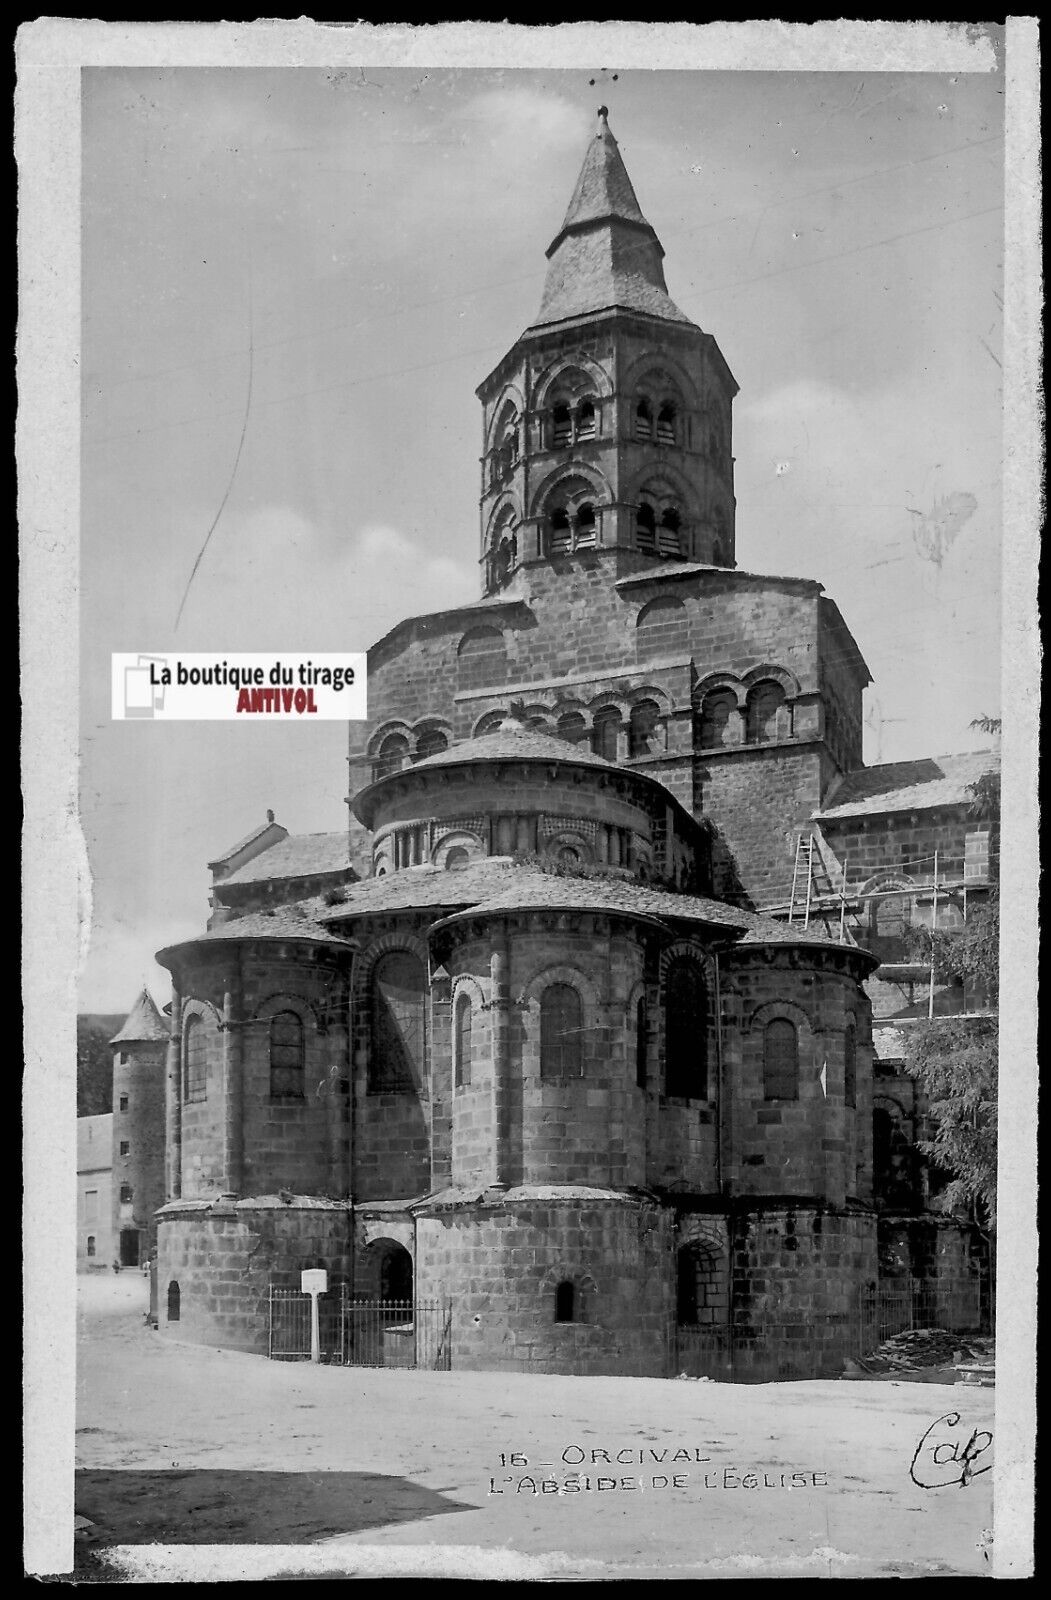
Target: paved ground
209 1464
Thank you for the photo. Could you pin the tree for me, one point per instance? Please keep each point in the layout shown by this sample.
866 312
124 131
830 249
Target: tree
956 1058
95 1064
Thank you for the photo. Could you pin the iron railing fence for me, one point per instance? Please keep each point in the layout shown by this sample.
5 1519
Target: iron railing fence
357 1332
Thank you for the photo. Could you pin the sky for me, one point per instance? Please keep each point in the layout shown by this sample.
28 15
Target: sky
329 260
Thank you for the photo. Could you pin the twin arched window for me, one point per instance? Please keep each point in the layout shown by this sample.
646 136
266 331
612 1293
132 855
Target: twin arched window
606 735
572 727
685 1031
658 536
568 427
287 1056
780 1060
561 1032
666 430
571 529
430 743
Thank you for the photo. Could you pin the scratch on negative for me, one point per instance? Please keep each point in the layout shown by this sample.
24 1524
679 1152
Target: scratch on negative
233 475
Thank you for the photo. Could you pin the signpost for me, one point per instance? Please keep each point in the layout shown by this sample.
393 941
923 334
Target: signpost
314 1281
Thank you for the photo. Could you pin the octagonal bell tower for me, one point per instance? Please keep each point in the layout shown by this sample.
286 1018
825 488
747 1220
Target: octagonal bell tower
607 426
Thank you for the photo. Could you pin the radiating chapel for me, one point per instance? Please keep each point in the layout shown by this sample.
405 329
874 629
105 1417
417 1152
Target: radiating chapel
534 1036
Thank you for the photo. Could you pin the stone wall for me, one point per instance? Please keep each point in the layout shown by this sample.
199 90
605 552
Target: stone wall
501 1264
224 1259
815 1144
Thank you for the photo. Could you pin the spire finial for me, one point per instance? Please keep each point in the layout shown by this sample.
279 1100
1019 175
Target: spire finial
603 112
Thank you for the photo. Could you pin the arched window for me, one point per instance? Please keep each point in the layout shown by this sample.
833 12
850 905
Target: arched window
286 1056
195 1047
661 628
780 1060
685 1032
644 729
457 859
666 424
718 721
393 754
174 1301
430 743
585 520
643 420
586 419
569 856
767 714
641 1043
91 1244
850 1066
559 532
669 534
565 1301
606 736
397 1059
561 1024
462 1041
482 658
646 528
561 426
127 1194
572 727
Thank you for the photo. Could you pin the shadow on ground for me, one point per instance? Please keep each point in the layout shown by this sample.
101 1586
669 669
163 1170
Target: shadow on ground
211 1506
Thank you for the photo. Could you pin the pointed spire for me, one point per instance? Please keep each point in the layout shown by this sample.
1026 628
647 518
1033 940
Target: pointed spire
143 1024
603 188
605 253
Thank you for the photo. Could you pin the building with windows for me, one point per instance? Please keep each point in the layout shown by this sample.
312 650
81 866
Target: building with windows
553 1033
95 1243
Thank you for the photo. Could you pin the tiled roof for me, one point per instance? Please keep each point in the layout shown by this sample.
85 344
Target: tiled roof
531 890
605 254
424 887
143 1023
603 187
298 921
515 742
610 265
551 1192
300 855
920 785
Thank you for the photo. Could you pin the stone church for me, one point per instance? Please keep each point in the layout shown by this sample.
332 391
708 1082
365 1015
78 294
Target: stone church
547 1035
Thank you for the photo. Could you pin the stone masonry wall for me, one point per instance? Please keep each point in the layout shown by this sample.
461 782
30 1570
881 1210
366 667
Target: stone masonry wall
138 1084
224 1259
500 1266
815 1145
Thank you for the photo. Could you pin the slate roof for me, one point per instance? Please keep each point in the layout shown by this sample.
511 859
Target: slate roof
605 254
920 785
302 855
515 742
143 1024
297 921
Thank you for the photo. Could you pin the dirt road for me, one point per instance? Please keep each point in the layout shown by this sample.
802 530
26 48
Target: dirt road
237 1467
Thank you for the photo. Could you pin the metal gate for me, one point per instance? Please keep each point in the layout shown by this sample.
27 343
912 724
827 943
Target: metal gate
356 1332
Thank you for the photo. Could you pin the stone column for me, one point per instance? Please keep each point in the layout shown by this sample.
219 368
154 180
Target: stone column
233 1087
173 1102
500 1003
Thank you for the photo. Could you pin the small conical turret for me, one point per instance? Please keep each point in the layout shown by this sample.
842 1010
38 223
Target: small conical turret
143 1024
